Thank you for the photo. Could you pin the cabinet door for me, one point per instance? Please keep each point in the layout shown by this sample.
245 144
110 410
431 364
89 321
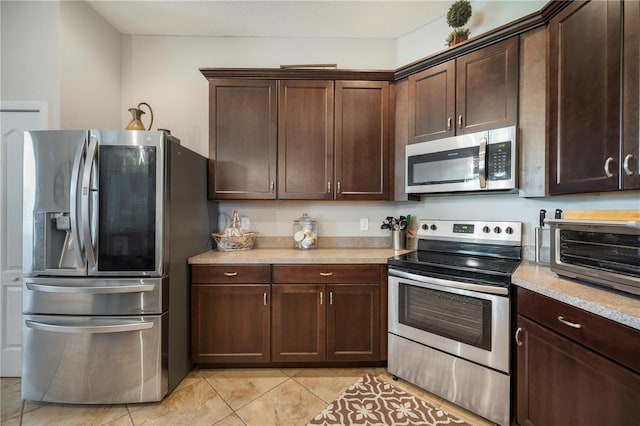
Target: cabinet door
243 140
353 322
432 103
305 139
562 383
584 97
230 323
487 88
299 322
631 97
362 140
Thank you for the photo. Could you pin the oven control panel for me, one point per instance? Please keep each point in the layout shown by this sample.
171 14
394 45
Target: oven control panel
489 231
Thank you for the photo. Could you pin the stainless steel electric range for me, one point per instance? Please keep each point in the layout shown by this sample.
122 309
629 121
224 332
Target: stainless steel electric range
449 313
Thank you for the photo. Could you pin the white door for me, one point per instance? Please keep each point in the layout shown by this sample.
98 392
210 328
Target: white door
16 117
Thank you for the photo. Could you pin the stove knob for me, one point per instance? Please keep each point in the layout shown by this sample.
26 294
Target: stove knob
497 230
425 227
486 229
433 227
508 230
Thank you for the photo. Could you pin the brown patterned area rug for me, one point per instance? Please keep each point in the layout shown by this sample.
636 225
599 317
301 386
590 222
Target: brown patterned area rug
370 402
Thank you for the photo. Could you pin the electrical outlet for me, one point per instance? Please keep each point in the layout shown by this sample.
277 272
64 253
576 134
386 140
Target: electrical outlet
245 223
364 224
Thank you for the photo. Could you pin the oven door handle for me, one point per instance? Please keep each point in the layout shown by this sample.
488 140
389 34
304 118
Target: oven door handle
451 284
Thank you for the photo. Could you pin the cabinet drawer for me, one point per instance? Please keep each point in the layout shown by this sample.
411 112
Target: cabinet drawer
229 274
330 274
611 339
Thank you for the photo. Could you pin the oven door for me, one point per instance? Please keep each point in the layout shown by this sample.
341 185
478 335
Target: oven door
461 319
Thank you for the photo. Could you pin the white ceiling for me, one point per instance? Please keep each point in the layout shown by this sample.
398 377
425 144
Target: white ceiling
239 18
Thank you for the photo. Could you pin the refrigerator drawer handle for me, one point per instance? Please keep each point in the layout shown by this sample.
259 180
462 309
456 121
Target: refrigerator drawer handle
139 288
89 329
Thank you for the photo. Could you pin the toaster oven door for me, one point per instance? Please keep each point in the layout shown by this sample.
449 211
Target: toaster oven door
601 253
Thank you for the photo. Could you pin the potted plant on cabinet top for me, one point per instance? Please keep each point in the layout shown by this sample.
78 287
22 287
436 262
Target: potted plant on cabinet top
457 16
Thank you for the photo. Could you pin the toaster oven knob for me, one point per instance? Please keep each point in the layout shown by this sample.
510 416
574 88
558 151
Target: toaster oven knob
486 229
508 230
425 227
497 230
433 227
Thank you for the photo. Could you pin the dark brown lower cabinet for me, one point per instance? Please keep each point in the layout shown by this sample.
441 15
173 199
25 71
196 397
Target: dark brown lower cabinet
560 381
299 319
317 322
304 314
230 313
231 323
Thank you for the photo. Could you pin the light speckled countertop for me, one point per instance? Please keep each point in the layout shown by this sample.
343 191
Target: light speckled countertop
279 255
532 276
606 303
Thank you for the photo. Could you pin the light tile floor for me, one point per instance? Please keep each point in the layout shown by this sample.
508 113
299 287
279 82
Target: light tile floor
225 397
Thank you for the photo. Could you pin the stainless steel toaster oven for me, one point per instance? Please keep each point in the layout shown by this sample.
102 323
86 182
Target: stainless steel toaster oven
605 253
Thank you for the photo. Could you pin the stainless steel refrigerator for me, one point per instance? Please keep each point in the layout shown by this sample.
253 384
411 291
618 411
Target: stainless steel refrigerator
109 219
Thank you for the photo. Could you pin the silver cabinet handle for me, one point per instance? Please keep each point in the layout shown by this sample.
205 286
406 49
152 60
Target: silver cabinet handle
460 121
14 279
569 323
625 165
264 298
607 167
449 123
482 162
321 298
331 298
517 336
326 274
230 274
338 187
139 288
329 187
88 329
272 186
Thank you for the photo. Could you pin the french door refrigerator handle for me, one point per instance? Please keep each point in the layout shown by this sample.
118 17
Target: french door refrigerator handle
138 288
89 329
86 200
76 231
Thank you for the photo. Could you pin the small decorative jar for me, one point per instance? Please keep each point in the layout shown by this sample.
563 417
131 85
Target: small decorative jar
305 233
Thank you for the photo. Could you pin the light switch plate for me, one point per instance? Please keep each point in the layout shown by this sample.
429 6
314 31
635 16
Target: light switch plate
245 223
364 224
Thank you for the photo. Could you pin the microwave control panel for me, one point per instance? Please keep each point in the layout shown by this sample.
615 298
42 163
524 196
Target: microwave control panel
499 161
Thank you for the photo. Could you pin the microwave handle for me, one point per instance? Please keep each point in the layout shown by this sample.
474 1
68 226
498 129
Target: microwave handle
482 163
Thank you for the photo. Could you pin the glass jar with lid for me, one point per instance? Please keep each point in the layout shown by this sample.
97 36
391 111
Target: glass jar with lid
305 233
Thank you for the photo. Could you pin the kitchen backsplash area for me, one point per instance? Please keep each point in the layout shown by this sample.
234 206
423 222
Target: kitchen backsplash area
339 223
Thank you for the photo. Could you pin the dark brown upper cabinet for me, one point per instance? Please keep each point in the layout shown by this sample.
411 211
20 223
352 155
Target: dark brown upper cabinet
362 141
243 139
474 92
587 150
302 138
305 139
630 171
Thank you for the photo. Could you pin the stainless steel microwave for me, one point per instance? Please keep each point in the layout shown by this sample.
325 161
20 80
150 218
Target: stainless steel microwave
482 161
605 253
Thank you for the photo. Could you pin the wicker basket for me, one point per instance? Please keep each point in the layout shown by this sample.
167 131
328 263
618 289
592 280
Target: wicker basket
226 243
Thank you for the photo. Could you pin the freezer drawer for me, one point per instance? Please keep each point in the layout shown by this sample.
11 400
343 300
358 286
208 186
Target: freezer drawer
94 360
91 296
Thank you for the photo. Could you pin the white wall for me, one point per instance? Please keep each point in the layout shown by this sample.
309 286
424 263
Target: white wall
164 72
90 69
29 54
486 15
